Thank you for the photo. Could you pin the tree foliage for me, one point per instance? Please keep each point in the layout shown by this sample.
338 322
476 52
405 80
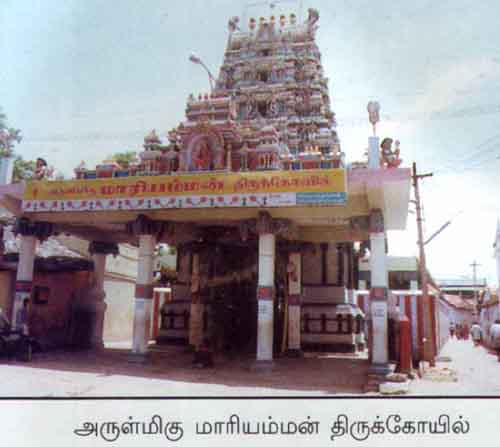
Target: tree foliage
8 137
124 158
23 169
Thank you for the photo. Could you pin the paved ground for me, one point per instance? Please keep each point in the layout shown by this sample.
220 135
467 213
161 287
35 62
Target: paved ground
471 371
170 373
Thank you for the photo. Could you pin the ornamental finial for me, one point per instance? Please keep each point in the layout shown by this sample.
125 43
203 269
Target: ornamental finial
373 108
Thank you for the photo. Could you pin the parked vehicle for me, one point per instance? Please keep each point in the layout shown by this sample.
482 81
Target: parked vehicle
14 343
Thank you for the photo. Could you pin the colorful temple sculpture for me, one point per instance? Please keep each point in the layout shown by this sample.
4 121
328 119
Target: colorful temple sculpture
253 190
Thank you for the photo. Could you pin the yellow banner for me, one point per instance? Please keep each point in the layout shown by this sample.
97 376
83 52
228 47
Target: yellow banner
306 181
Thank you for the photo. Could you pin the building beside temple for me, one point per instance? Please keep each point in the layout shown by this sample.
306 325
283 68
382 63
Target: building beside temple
489 309
253 191
62 305
496 247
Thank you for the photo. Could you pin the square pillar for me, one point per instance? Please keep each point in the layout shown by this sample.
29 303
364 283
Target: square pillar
197 307
265 298
378 295
24 281
373 152
30 233
143 294
99 251
294 299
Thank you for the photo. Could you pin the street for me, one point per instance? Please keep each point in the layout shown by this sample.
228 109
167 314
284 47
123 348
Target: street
477 372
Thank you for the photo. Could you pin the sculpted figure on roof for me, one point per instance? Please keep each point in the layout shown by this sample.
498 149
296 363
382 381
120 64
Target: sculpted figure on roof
233 24
312 20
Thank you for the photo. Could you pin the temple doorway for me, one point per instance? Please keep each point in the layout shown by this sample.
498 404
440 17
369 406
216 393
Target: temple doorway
234 310
232 298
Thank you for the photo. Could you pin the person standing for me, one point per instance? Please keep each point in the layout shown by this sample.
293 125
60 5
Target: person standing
4 322
452 329
466 331
476 333
22 317
495 337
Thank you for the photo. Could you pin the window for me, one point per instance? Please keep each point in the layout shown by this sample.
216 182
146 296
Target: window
41 295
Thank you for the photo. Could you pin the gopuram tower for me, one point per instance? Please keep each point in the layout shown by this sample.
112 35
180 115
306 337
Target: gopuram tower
270 103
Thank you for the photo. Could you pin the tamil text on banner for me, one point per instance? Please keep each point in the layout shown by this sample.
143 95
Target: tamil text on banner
205 190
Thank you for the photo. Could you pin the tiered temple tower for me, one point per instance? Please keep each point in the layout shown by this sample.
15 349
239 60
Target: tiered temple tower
269 108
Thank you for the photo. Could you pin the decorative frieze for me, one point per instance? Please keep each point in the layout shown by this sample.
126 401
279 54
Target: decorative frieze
378 294
144 291
265 293
41 230
103 248
294 300
24 286
144 225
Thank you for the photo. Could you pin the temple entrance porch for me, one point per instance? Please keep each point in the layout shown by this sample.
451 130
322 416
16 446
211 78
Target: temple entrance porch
302 257
243 286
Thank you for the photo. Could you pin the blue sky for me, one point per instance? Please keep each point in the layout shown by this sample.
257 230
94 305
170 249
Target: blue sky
84 79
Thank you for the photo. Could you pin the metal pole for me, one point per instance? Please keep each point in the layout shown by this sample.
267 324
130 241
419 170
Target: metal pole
210 76
474 266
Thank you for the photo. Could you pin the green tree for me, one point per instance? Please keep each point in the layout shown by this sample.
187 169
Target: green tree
124 158
23 169
8 137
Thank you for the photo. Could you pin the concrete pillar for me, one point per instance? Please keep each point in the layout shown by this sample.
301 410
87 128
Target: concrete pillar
99 304
143 294
146 231
197 307
350 297
30 232
378 295
99 251
24 279
6 170
265 297
373 152
294 299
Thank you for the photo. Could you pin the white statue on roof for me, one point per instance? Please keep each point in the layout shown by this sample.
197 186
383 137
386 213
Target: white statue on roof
233 24
312 19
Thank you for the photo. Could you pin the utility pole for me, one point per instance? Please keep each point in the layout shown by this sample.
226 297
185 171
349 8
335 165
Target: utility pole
424 308
474 266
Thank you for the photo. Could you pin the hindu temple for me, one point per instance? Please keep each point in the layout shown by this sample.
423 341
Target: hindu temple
253 190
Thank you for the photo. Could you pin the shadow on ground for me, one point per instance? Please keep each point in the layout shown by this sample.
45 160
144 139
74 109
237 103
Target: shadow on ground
344 374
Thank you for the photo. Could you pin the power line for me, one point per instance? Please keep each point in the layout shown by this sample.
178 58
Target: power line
449 165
